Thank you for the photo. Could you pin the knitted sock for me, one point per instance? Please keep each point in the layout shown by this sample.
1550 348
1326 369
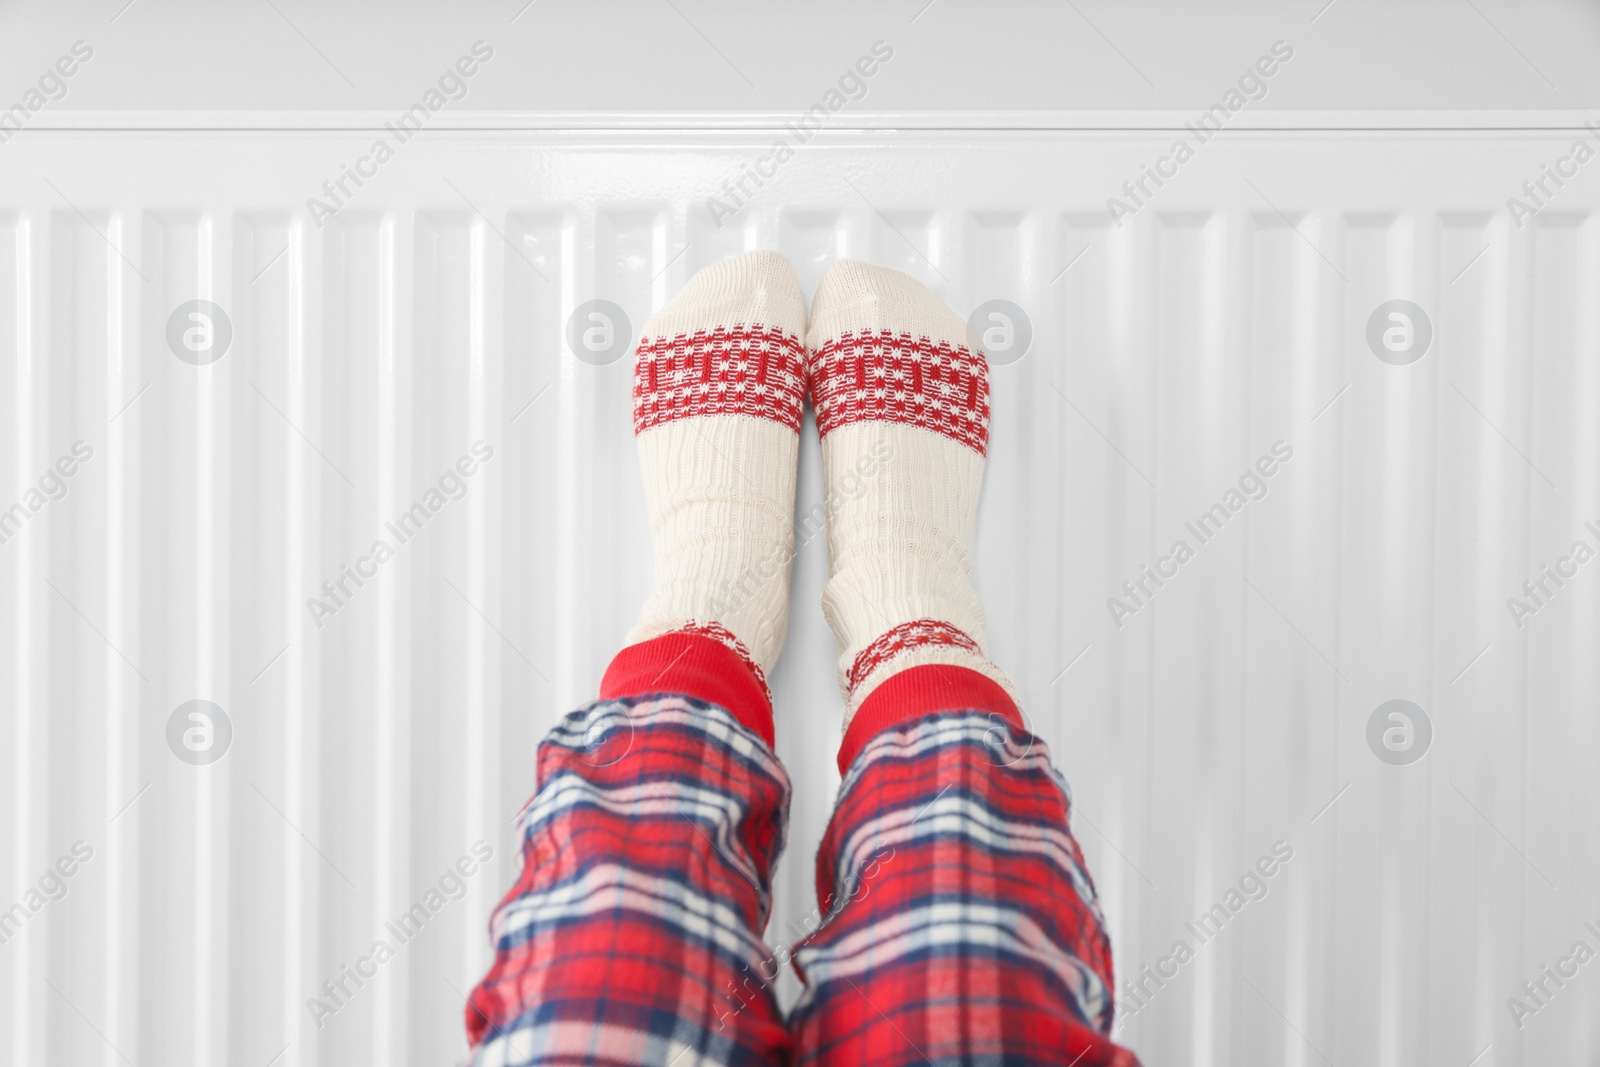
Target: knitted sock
903 410
718 385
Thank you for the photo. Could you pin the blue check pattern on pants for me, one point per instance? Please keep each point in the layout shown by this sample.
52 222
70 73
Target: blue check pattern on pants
956 923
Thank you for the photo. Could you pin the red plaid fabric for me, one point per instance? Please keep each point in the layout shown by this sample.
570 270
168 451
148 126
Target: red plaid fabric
957 923
962 926
631 932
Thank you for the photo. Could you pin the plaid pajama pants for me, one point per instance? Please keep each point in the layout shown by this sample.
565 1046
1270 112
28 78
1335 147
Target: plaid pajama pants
956 922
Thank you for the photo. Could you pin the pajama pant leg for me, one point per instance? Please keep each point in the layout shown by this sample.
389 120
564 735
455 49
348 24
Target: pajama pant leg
959 923
632 933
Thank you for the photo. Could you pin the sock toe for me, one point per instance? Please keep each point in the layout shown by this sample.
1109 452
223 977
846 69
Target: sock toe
857 297
757 288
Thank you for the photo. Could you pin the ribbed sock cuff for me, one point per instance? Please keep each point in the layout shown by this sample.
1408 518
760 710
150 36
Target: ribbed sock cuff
917 692
694 666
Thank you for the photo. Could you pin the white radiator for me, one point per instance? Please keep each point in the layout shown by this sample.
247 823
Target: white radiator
351 755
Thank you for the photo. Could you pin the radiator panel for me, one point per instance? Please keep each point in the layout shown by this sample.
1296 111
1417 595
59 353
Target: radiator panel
375 742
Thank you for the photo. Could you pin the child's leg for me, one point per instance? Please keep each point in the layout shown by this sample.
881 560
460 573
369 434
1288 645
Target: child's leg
962 926
632 935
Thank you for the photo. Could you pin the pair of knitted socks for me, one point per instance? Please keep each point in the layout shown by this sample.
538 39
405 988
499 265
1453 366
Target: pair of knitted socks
902 403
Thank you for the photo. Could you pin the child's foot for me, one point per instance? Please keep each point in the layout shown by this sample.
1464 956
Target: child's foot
902 405
717 392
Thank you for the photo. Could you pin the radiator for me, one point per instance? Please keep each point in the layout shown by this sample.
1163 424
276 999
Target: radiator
1353 367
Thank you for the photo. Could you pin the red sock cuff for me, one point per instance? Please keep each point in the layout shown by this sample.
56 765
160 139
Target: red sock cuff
694 666
916 692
